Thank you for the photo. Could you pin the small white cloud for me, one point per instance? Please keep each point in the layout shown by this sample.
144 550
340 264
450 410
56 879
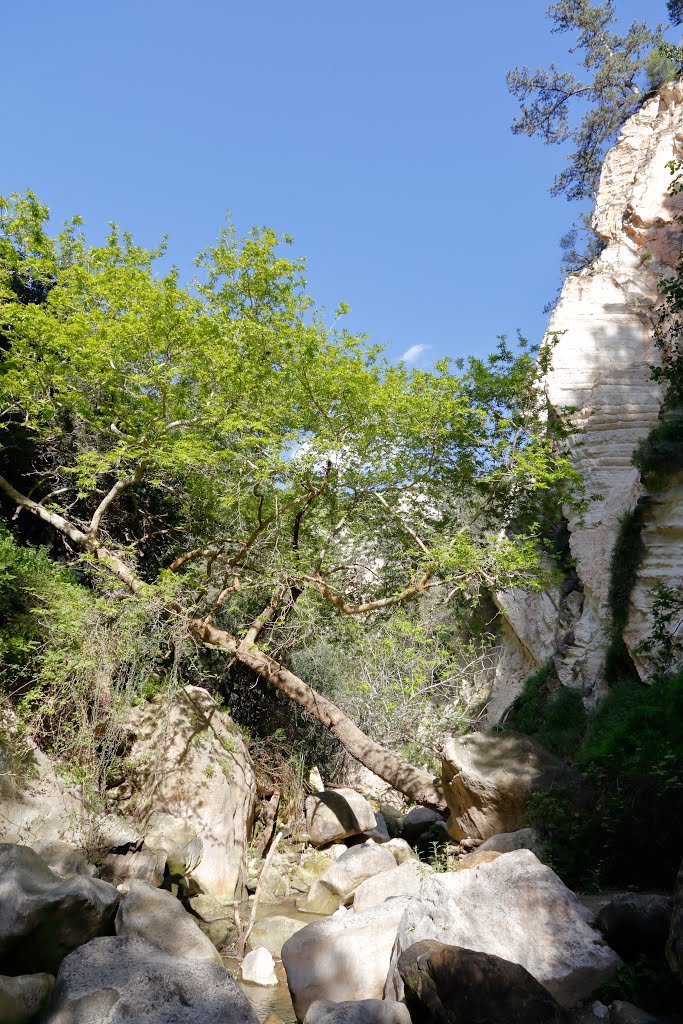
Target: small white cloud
412 354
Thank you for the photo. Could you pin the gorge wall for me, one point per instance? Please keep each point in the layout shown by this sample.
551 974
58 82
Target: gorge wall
604 321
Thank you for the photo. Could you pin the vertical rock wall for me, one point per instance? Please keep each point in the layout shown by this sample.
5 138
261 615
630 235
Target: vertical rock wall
601 367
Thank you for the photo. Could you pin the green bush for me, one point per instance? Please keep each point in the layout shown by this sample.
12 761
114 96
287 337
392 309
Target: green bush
556 719
624 827
659 456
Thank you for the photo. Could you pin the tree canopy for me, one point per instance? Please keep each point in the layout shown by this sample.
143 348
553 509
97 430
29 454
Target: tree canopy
222 445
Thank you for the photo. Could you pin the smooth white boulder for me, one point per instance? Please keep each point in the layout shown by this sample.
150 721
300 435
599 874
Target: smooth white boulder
258 968
157 917
337 813
515 908
361 1011
343 957
404 880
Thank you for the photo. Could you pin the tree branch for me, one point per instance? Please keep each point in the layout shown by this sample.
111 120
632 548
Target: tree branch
119 487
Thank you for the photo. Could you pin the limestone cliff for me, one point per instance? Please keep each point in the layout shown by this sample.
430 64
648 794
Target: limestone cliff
601 368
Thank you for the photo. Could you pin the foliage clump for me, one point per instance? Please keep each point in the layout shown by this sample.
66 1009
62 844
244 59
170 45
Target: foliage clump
624 828
552 714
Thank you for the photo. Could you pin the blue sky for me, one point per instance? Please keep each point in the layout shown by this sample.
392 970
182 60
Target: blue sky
374 132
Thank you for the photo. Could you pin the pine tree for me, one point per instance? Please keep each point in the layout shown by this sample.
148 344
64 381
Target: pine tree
612 89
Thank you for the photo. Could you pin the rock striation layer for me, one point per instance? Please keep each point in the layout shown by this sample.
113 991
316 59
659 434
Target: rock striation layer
603 330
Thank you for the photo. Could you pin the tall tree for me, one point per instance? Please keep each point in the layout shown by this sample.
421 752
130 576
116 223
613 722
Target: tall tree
675 9
611 90
221 446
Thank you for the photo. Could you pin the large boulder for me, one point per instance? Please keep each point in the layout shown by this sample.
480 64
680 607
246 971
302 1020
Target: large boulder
404 880
335 814
35 805
64 859
488 779
44 916
121 980
450 985
144 865
522 839
517 909
189 761
271 933
635 923
158 918
674 945
362 1011
178 839
346 873
342 958
22 998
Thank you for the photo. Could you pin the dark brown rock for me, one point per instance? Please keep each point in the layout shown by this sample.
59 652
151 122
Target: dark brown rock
634 923
453 985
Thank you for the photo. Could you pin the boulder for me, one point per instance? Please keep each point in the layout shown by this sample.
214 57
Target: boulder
210 909
522 839
674 945
320 899
64 859
44 916
112 832
404 880
401 850
258 968
635 923
159 919
362 1011
346 873
189 762
22 998
450 985
35 805
342 958
380 833
271 933
488 779
144 865
621 1012
417 821
121 980
477 857
515 908
335 814
178 839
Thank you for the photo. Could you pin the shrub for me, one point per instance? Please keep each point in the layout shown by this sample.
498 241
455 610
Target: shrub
556 718
625 827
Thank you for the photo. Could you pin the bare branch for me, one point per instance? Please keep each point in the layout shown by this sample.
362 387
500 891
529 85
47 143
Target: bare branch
119 487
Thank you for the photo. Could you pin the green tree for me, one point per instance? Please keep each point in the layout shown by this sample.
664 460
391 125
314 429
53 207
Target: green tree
675 9
612 88
222 448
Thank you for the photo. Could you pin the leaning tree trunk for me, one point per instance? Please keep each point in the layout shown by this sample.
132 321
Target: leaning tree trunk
415 783
418 785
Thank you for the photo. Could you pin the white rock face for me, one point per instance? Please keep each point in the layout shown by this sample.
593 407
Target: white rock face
517 909
601 367
191 763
